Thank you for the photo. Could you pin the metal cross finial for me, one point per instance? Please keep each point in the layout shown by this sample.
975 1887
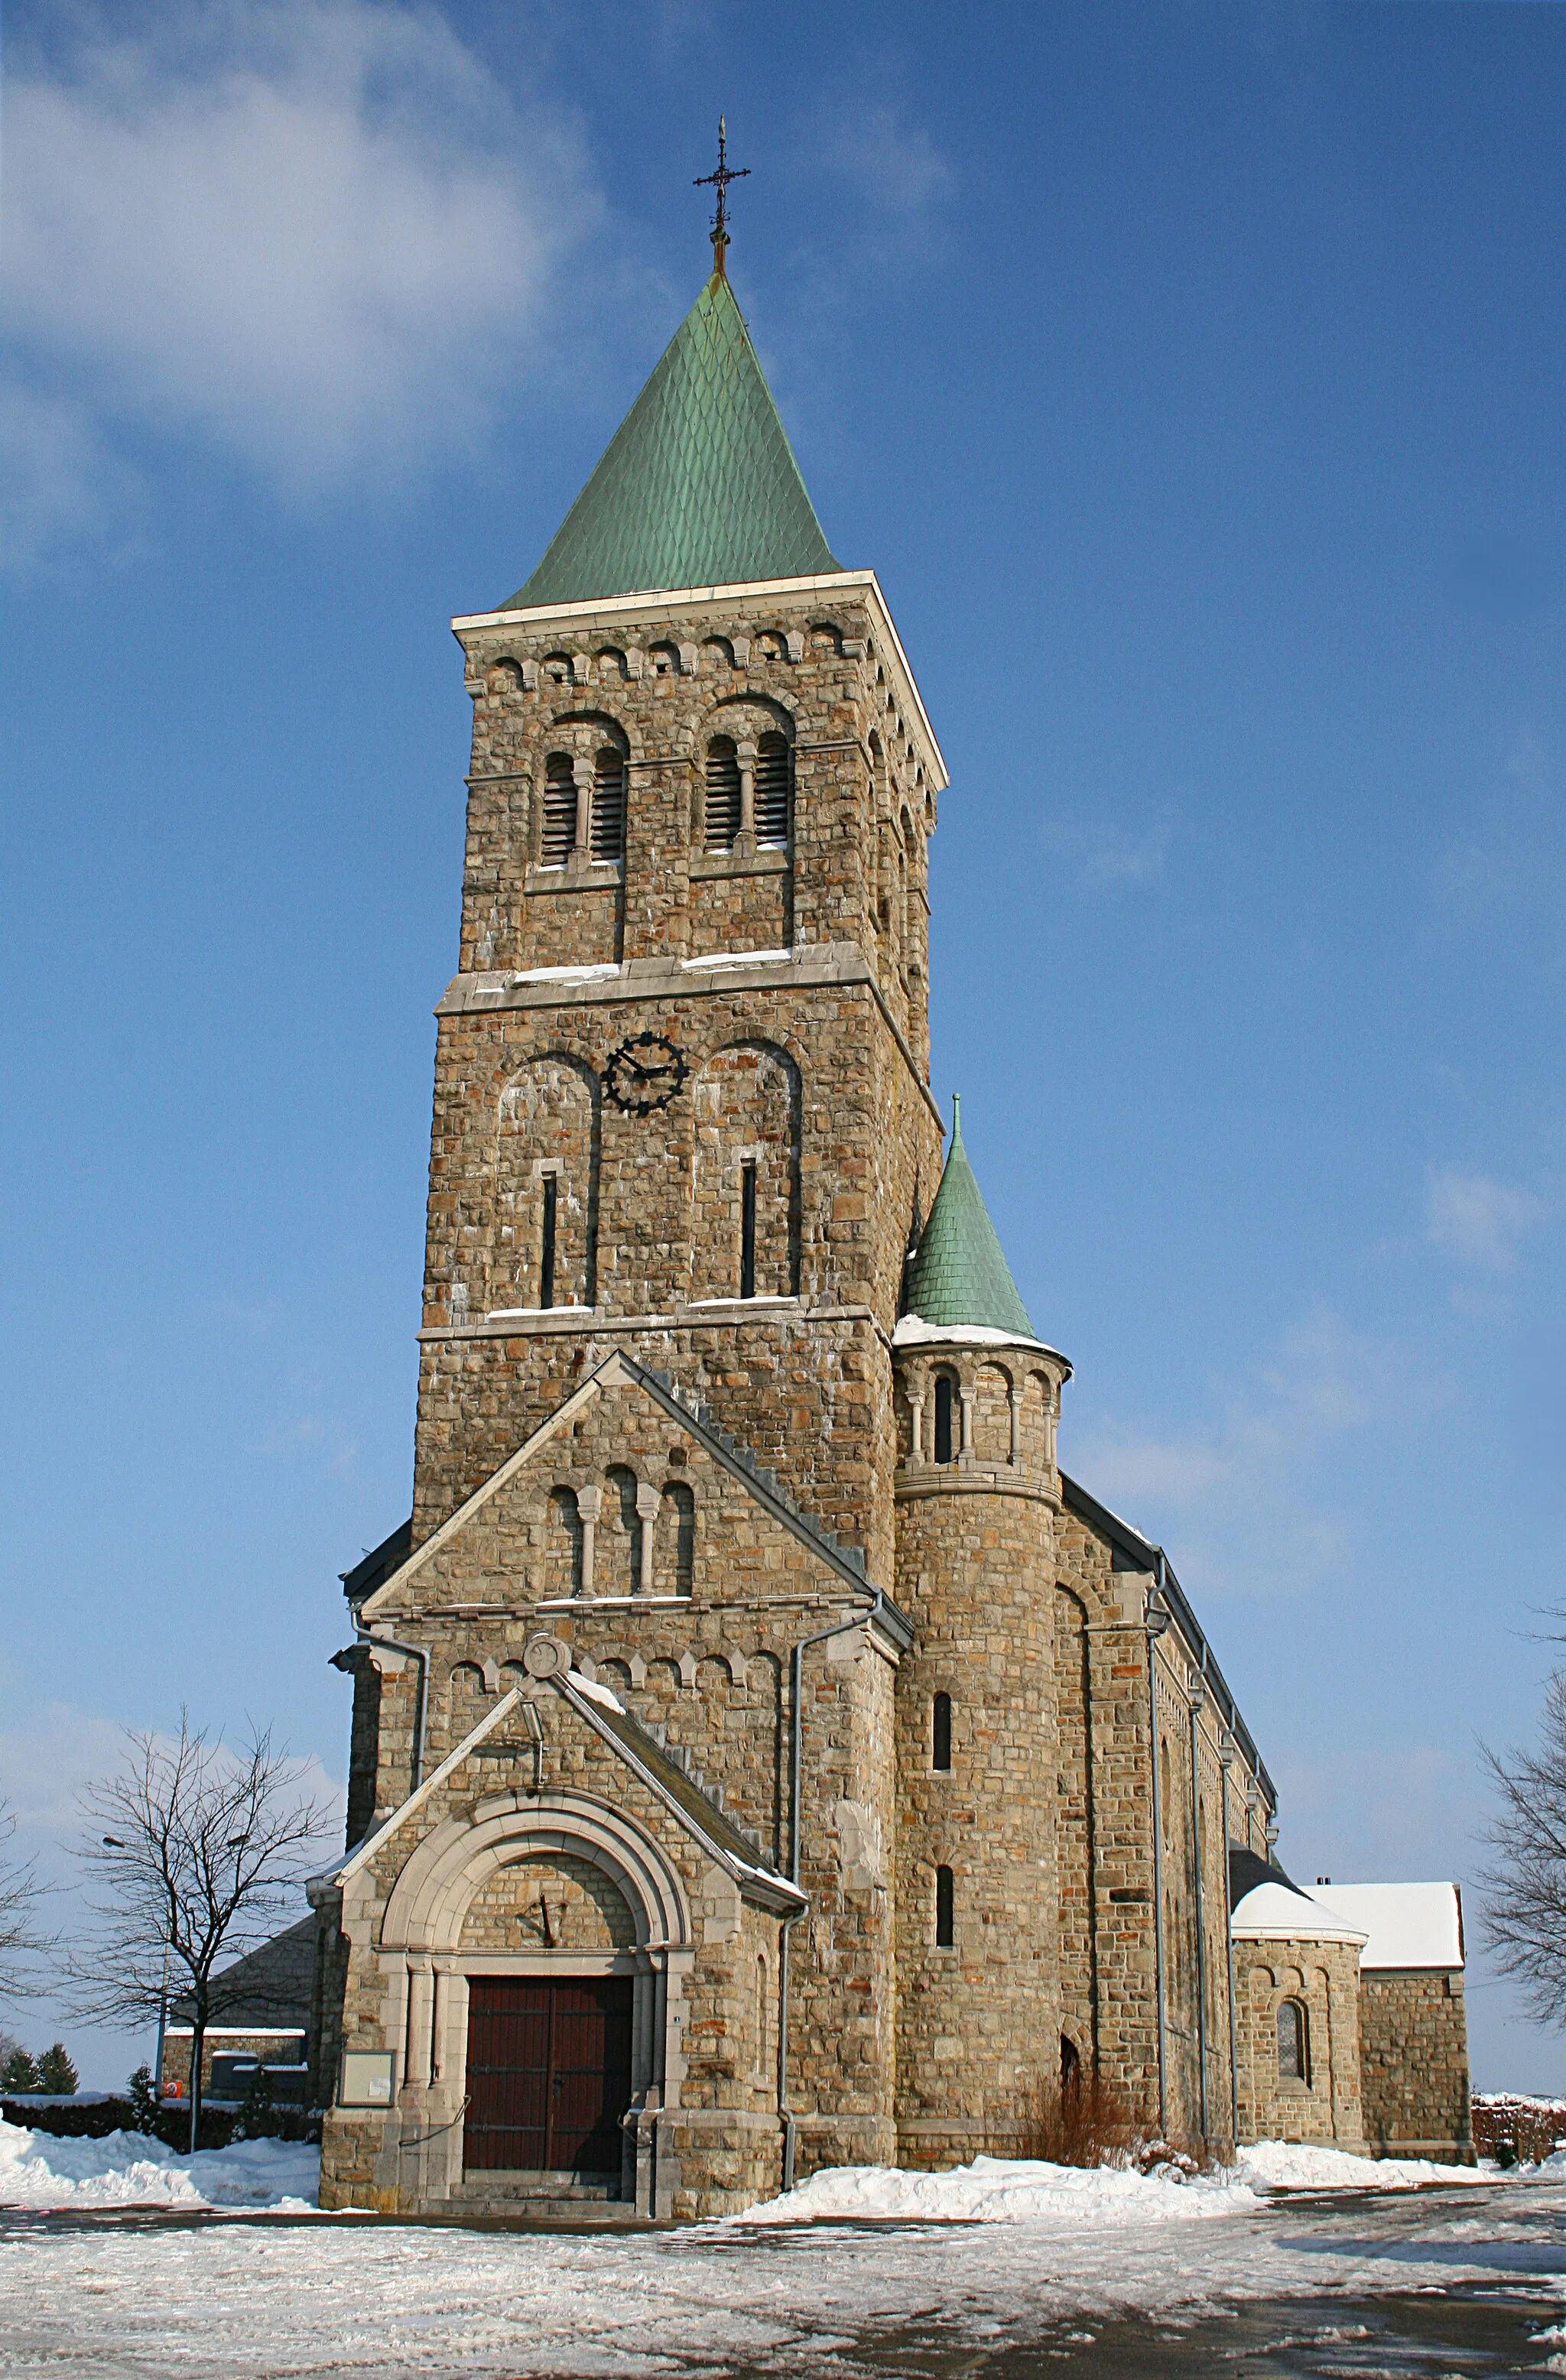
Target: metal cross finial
720 181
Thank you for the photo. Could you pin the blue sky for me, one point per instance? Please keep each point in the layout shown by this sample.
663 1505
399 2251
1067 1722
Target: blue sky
1193 378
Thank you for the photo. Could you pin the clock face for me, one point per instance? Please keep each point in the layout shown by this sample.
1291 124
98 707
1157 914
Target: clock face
644 1073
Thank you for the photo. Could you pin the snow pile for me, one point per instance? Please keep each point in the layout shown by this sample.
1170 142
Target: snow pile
1019 2189
1289 2165
130 2169
1003 2190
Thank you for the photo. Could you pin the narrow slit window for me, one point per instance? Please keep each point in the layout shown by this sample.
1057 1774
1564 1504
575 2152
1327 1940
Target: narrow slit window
774 788
945 1910
546 1246
943 1418
723 794
559 837
940 1733
609 806
747 1227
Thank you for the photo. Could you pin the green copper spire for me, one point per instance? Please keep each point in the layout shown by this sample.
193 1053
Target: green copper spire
698 486
960 1278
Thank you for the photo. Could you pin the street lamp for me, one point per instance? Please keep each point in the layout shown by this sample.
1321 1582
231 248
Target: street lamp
116 1843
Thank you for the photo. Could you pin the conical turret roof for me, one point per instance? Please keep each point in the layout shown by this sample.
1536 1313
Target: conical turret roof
960 1278
698 486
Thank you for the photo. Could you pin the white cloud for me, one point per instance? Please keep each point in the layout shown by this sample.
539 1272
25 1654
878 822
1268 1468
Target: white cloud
1106 853
318 232
1243 1485
1477 1221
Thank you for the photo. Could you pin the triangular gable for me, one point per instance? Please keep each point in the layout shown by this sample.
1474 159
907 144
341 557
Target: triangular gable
695 1813
621 1371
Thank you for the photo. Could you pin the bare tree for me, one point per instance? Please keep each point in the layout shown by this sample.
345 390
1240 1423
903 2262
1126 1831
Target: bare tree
1524 1885
197 1851
21 1942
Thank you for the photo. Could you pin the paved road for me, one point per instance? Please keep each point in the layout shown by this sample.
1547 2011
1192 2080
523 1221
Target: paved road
1424 2286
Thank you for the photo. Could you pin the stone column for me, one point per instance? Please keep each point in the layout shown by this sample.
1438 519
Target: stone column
589 1504
647 1502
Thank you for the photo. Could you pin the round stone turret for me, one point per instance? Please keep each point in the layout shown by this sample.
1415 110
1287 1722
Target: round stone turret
976 1492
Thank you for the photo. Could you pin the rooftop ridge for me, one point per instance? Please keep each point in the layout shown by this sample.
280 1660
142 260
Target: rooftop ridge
698 487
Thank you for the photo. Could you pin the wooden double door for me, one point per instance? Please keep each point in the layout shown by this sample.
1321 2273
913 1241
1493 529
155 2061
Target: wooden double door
549 2073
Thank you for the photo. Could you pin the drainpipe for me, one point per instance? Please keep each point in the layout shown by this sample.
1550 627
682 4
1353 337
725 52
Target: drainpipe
1198 1695
1156 1622
795 1675
1226 1762
414 1653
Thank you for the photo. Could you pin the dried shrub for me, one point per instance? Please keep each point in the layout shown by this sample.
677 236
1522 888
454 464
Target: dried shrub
1515 2130
1085 2122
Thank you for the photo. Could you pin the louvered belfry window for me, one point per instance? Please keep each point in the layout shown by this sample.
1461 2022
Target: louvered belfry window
609 806
560 810
774 772
723 794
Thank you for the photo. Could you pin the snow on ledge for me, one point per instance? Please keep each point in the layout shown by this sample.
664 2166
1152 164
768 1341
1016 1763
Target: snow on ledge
913 1330
597 1693
738 959
594 974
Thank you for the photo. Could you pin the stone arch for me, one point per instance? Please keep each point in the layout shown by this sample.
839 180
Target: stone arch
555 669
826 637
610 666
719 650
663 659
746 1103
1036 1420
549 1901
544 1235
618 1569
429 1902
504 676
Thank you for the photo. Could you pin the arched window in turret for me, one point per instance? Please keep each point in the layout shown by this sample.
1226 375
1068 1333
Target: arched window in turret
721 812
1293 2043
946 1396
609 805
558 839
774 792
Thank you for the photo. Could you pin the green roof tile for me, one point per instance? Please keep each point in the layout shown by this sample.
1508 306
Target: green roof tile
960 1278
698 486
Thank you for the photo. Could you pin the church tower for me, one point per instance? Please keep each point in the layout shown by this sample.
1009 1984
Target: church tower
681 1113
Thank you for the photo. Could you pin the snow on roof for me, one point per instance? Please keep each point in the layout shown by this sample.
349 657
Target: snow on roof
913 1330
1405 1925
1275 1913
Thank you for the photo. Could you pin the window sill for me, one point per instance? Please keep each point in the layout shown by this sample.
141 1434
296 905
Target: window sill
596 875
772 859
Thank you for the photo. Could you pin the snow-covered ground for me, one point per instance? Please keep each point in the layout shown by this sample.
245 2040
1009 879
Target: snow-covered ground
130 2169
1052 2250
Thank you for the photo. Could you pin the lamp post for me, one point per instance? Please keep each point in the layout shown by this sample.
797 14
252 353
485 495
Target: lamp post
114 1843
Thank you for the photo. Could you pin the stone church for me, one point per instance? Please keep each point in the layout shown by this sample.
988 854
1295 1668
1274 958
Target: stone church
764 1754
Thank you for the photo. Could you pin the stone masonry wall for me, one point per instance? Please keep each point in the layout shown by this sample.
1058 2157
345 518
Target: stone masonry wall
1327 2104
1414 2048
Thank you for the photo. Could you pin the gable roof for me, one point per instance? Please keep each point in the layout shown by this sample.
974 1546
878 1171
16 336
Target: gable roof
960 1277
846 1560
1132 1551
270 1987
698 487
1407 1926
